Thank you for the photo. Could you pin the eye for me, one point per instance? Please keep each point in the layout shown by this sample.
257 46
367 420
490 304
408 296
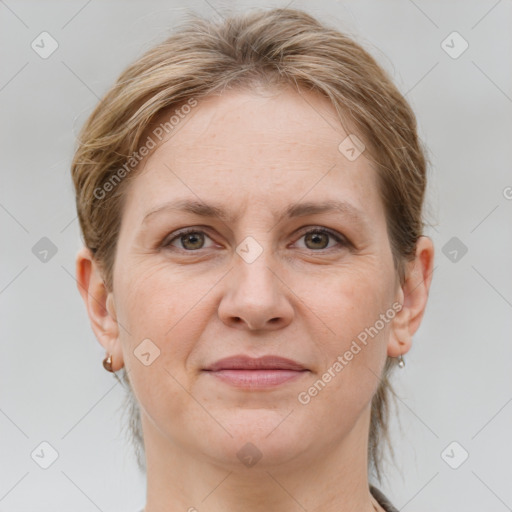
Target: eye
318 238
189 239
193 239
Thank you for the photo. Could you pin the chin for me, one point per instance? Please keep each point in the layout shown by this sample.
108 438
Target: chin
260 438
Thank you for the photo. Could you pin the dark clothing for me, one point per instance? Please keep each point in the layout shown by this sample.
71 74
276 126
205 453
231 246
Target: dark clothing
382 500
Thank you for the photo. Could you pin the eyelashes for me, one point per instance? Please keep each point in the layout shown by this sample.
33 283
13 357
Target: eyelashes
312 233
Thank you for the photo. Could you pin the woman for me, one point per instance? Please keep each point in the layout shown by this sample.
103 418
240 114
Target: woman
257 364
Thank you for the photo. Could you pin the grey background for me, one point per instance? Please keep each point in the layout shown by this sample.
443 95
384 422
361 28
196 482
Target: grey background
457 383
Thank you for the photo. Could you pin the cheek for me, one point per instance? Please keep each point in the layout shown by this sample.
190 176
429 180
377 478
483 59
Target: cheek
352 299
150 298
357 308
354 356
155 305
165 307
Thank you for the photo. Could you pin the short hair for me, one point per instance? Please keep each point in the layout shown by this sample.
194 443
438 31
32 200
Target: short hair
265 49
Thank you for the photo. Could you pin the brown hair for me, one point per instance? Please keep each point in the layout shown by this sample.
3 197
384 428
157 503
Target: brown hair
268 48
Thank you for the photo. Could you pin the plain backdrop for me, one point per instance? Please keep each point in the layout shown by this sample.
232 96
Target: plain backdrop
456 388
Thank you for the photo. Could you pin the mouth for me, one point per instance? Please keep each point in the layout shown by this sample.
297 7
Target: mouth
260 373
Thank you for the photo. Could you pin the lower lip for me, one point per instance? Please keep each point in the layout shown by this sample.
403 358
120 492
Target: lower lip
257 379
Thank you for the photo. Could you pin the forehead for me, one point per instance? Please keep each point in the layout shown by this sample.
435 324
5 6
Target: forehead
245 124
271 146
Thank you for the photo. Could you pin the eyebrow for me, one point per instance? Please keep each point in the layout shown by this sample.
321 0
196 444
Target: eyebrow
202 209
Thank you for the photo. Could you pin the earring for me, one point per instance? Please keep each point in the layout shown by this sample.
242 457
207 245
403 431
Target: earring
107 363
401 362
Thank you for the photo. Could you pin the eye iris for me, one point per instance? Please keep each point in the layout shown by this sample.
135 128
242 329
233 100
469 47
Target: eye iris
192 237
314 236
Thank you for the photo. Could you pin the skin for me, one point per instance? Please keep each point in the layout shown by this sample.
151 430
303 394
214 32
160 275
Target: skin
302 298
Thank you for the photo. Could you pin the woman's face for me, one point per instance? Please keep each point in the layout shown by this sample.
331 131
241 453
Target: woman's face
255 282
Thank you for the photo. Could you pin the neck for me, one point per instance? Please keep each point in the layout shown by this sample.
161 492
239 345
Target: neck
332 479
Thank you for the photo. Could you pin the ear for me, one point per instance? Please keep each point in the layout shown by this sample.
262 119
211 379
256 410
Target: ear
100 306
413 295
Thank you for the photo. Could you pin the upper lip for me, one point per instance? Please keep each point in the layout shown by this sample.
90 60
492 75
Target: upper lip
242 362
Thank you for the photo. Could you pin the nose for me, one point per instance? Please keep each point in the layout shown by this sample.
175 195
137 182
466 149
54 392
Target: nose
256 296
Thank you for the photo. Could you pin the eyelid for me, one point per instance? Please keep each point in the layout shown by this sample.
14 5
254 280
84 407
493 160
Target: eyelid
303 231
